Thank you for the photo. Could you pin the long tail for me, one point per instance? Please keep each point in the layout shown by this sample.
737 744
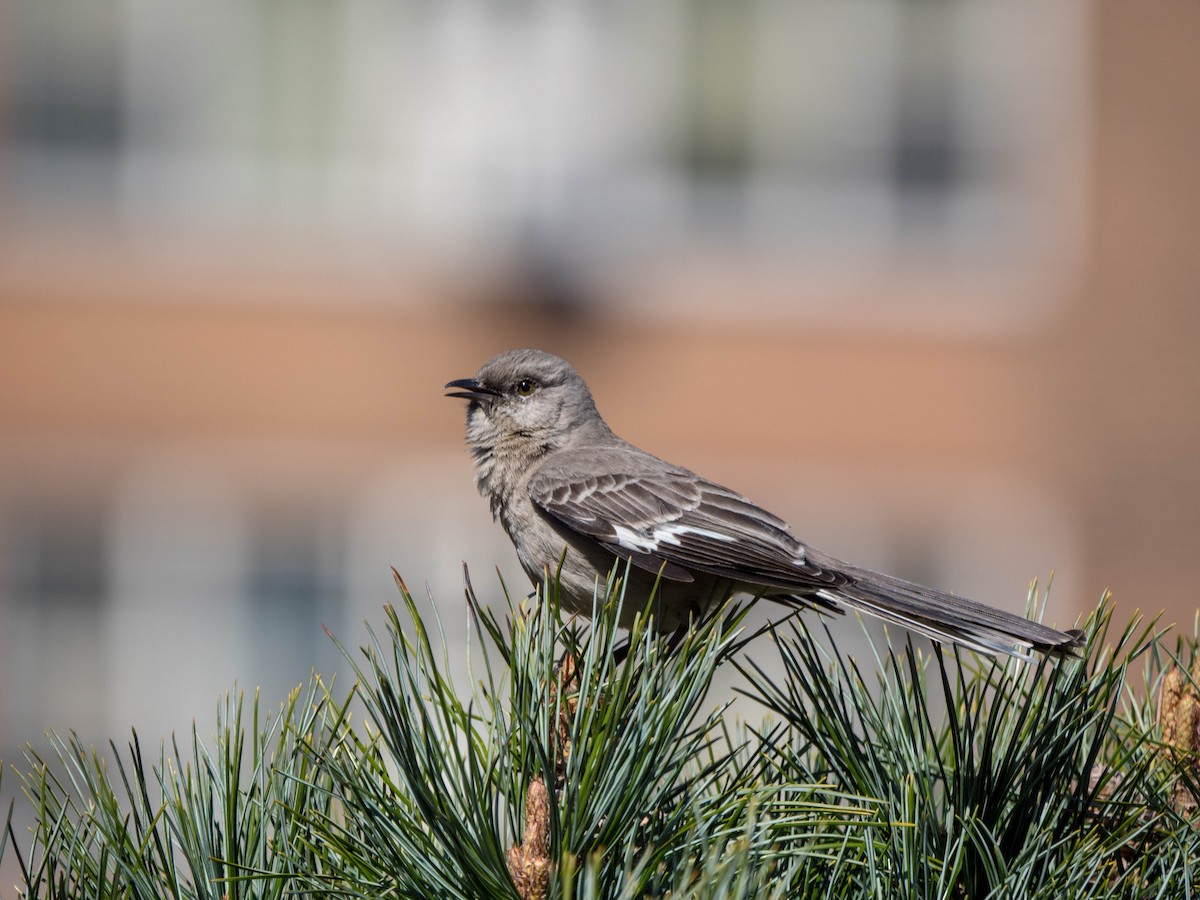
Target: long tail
947 617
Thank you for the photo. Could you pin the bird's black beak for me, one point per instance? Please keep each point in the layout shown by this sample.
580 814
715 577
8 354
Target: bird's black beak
470 389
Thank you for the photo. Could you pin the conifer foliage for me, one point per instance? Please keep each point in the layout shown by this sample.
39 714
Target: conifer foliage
574 761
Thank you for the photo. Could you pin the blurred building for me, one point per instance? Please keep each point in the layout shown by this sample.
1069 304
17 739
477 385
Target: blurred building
919 276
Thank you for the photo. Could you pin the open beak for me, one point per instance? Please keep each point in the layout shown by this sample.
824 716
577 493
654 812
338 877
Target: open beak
469 389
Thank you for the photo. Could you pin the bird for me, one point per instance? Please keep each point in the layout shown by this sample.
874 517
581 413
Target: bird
576 501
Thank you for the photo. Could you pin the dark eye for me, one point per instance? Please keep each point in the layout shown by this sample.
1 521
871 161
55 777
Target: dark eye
525 387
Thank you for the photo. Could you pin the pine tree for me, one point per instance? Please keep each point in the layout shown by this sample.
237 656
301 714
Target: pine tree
563 769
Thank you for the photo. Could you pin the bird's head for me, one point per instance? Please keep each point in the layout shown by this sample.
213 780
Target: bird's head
528 400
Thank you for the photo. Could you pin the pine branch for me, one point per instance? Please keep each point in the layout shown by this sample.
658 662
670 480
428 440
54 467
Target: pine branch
560 768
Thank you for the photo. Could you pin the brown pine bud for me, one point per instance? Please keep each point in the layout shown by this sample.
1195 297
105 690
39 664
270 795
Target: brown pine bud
1169 695
529 863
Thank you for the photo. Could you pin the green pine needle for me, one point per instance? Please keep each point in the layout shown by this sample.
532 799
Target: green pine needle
558 768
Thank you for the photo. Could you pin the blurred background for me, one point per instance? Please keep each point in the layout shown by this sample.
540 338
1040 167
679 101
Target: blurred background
920 276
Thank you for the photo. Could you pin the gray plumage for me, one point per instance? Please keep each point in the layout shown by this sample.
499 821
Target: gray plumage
558 479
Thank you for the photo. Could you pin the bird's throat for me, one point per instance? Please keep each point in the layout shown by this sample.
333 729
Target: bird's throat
502 467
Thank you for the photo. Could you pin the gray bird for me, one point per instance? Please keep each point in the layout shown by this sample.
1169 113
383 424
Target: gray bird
566 489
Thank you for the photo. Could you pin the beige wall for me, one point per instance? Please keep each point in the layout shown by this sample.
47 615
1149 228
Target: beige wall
985 459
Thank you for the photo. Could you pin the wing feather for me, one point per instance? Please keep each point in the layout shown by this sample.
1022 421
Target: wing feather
668 520
656 514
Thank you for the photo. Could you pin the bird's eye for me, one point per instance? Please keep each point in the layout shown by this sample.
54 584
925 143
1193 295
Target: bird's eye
525 387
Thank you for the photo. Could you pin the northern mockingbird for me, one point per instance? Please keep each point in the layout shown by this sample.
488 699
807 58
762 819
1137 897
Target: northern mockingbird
567 489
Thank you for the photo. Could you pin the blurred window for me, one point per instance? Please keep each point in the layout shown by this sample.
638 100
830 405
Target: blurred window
56 557
295 583
52 649
813 138
61 120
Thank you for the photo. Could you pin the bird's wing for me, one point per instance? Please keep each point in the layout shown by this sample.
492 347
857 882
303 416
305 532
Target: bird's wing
666 519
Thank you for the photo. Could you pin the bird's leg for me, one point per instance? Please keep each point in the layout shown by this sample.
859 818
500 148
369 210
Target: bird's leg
694 617
621 651
677 636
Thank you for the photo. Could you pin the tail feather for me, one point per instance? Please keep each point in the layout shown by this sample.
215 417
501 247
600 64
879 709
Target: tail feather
947 617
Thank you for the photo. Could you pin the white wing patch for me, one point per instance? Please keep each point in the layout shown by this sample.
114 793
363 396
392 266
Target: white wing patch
669 534
631 540
663 534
